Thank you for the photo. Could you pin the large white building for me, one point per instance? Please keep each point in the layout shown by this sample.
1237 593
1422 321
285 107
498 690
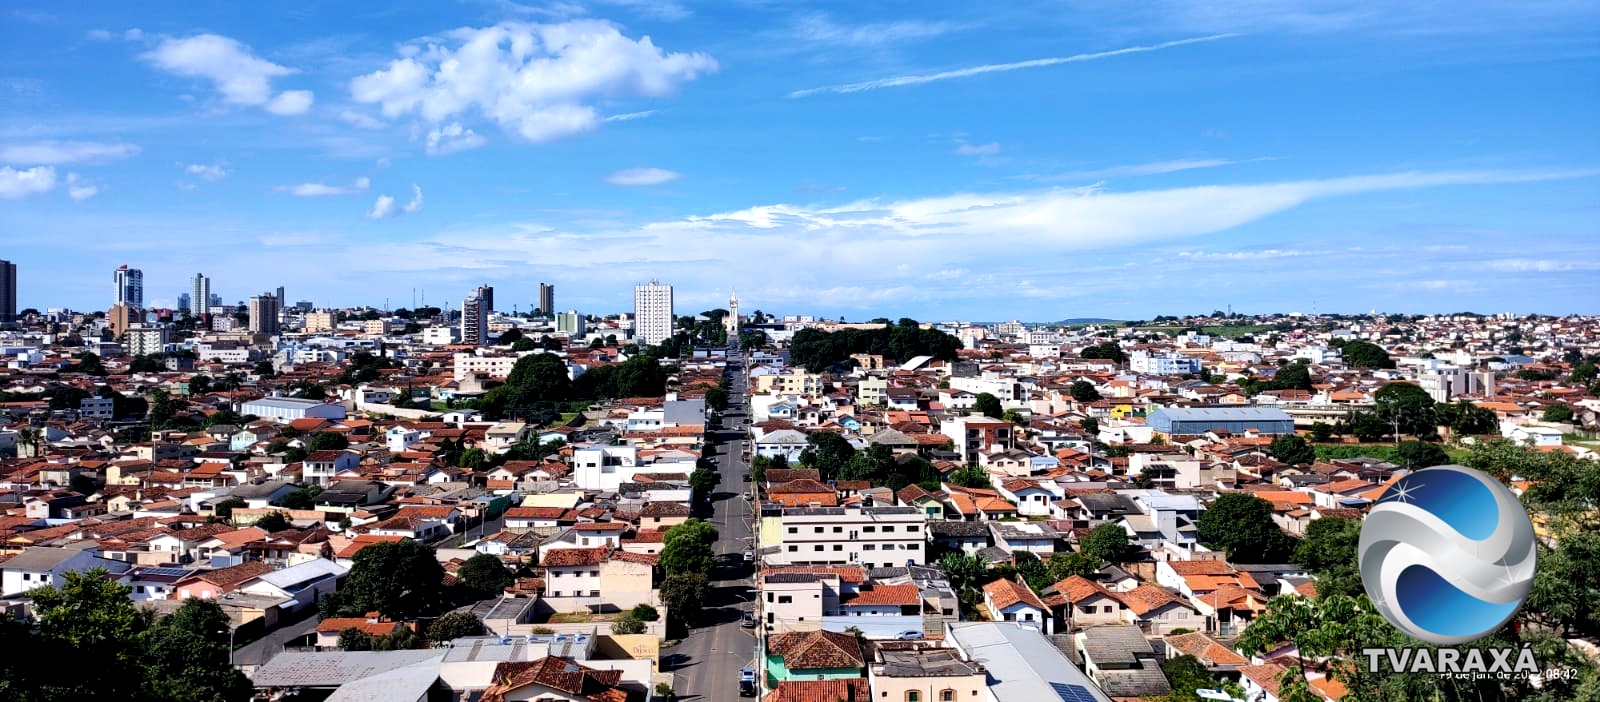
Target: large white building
199 294
570 323
130 286
604 467
1162 363
145 339
866 536
288 409
652 313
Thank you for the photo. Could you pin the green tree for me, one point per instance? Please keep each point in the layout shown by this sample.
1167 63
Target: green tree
1241 524
717 399
163 408
1084 391
524 344
485 575
685 594
1329 552
199 384
1365 426
1362 354
301 499
1420 454
1186 674
92 617
1467 419
1321 431
1557 413
1293 450
1108 350
401 580
539 377
273 522
89 364
509 336
627 625
1090 426
1065 564
328 441
188 655
1408 408
828 453
963 570
1295 376
1032 570
473 459
687 548
644 613
455 625
988 405
703 480
971 476
1108 543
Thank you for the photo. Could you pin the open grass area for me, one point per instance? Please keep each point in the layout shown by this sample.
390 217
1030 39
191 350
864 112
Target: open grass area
583 617
1382 452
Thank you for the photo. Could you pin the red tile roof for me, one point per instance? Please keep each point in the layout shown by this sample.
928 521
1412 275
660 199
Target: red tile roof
565 557
560 674
813 650
1004 593
890 595
845 690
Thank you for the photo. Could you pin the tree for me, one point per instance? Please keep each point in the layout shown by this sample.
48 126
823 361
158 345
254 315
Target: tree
1084 391
1420 454
301 499
89 364
1321 431
401 580
539 377
1108 543
1329 552
473 459
162 408
1557 413
273 522
1467 419
1108 350
988 405
971 476
717 399
1365 426
224 509
827 452
199 384
455 625
1362 354
1186 674
188 655
644 613
90 618
1408 408
963 570
627 625
687 548
485 574
1032 570
1295 376
685 595
1242 525
1065 564
509 336
328 441
1090 426
1293 450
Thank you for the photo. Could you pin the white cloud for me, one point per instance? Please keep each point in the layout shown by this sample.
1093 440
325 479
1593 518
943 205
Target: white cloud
537 81
134 34
1147 169
56 153
630 116
642 176
361 121
241 77
818 29
213 172
452 138
324 190
15 184
99 34
988 149
386 206
79 191
899 81
291 102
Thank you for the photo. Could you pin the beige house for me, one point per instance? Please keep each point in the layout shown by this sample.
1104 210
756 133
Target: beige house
926 675
797 601
1078 602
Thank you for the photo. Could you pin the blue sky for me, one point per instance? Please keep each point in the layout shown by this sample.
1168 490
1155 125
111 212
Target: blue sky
936 160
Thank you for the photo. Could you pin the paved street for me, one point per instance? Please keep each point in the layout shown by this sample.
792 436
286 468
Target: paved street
707 663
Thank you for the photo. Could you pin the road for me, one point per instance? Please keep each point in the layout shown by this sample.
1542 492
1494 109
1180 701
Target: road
707 663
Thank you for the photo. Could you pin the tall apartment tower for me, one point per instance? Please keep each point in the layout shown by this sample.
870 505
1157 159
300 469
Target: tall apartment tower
183 301
199 294
282 301
652 313
264 314
475 316
130 287
8 292
547 299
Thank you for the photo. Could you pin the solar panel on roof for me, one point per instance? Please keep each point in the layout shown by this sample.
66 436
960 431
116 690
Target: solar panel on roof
1072 693
164 572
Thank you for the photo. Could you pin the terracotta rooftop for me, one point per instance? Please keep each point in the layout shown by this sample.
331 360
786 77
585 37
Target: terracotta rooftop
813 650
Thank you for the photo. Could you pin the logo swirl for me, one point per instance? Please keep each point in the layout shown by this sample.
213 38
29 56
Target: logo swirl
1447 555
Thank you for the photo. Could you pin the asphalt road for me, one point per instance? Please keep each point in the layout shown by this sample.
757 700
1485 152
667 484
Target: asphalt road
707 663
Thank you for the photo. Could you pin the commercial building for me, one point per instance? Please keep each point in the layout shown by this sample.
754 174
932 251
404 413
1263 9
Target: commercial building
547 299
146 339
1188 421
288 409
570 323
264 314
1021 663
866 536
130 287
321 321
652 313
1162 363
8 292
475 316
199 294
119 318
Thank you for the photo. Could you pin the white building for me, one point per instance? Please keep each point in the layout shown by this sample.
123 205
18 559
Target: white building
1162 363
39 566
866 536
288 409
604 467
652 311
199 294
440 336
145 339
570 323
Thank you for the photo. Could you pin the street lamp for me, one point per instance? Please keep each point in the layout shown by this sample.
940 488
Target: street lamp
230 631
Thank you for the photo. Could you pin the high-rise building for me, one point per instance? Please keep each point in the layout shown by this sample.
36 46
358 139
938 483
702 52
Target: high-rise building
199 294
8 292
475 316
130 287
547 299
120 317
183 302
146 339
264 314
570 323
282 301
216 300
652 313
320 321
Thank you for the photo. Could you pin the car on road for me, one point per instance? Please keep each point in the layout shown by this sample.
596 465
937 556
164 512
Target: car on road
749 556
747 477
747 682
749 621
908 635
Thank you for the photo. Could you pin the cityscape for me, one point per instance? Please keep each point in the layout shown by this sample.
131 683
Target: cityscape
611 351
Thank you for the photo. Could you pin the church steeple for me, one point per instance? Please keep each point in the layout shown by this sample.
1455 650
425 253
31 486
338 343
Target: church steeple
731 322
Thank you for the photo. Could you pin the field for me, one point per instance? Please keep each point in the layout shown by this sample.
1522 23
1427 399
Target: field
1382 452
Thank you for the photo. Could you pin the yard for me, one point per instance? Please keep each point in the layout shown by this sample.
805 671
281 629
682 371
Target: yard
582 617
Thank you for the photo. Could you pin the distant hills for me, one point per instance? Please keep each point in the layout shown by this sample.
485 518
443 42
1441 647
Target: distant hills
1086 320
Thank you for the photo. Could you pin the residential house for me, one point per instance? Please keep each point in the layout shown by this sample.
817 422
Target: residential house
1078 602
813 655
1014 601
321 467
1121 661
212 584
926 675
866 536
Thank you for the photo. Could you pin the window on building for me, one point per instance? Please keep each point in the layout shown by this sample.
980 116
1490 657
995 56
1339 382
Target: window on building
838 547
785 599
1106 609
794 530
869 547
888 529
947 696
818 547
869 530
912 527
838 530
913 696
816 530
594 573
792 549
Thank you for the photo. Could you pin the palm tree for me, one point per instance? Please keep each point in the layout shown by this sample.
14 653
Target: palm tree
33 438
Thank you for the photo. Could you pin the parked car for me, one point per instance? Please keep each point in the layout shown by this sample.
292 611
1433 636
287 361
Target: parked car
749 621
747 682
908 635
749 556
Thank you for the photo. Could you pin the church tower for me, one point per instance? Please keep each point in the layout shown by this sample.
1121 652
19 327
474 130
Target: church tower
732 320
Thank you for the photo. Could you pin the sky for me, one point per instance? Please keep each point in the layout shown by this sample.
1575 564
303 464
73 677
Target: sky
938 160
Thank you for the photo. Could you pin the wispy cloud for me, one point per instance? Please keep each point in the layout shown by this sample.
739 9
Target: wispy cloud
642 176
361 121
452 138
79 189
988 149
630 116
1147 169
386 206
57 153
901 81
211 172
324 190
819 29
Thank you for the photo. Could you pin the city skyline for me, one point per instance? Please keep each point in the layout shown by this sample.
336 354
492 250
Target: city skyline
963 163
